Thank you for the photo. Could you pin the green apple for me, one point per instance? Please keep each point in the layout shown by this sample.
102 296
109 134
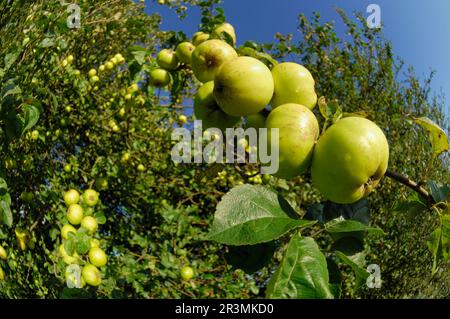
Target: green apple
209 56
66 229
67 168
182 119
95 79
35 135
167 59
125 157
71 197
199 37
70 58
187 273
133 88
293 84
120 59
243 86
97 257
207 110
23 237
101 68
91 275
224 28
2 274
75 214
95 243
141 168
3 254
298 132
184 52
349 160
101 183
27 197
90 224
159 77
90 197
109 65
92 72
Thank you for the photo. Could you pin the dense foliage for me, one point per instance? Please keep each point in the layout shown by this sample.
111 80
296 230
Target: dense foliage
155 215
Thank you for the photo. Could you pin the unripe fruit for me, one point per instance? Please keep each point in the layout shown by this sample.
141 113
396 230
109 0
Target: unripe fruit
184 52
90 224
66 258
224 28
133 88
199 37
66 229
92 72
101 68
70 58
125 157
167 59
71 197
109 65
90 197
75 214
95 243
159 77
187 273
3 254
2 274
141 168
97 257
95 79
35 135
91 275
182 119
67 168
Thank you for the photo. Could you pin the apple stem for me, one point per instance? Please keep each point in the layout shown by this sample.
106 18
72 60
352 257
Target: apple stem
411 184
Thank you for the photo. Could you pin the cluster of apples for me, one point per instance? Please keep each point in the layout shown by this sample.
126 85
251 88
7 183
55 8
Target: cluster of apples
79 213
107 66
346 162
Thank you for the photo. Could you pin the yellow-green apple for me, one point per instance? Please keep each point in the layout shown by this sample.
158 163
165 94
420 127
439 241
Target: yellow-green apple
97 257
209 56
3 254
75 214
167 59
159 77
184 52
66 257
90 197
207 110
349 160
71 197
187 273
293 84
199 37
224 28
66 229
243 86
298 132
182 119
90 224
91 275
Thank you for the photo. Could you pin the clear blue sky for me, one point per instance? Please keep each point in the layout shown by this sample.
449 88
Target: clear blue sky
419 30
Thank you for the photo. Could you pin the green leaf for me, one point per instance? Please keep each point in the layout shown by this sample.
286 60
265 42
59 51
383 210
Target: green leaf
83 243
348 245
340 227
31 116
100 217
249 215
70 244
360 273
303 272
434 245
445 237
438 138
13 91
250 258
5 204
439 193
329 110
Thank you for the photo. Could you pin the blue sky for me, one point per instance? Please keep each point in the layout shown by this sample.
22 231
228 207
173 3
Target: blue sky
419 30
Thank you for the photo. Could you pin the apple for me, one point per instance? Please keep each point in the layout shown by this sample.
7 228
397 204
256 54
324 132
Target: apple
90 197
92 72
66 229
298 132
141 168
125 157
199 37
182 119
27 197
101 183
101 68
209 56
184 52
119 58
75 214
207 110
95 79
293 84
76 72
159 77
71 197
109 65
167 59
2 274
133 88
97 257
23 237
35 135
349 160
243 86
90 224
95 243
224 28
70 58
187 273
91 275
128 97
3 254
